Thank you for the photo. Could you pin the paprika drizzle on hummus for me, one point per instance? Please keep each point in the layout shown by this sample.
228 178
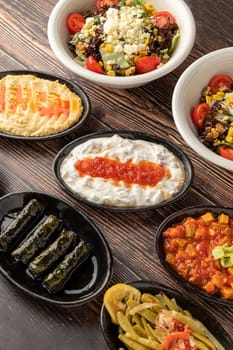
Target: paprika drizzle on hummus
122 172
32 106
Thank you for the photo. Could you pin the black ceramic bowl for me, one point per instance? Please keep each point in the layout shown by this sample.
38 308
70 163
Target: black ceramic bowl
132 136
71 85
88 281
178 217
110 331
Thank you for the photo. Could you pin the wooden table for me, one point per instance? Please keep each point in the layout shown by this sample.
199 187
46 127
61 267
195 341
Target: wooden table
26 323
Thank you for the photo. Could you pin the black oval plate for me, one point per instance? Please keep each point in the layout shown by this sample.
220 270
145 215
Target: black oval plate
110 331
175 218
88 281
132 136
71 85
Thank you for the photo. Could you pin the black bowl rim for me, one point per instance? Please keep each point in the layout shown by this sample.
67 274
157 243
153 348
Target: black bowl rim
188 167
71 85
157 286
109 257
176 217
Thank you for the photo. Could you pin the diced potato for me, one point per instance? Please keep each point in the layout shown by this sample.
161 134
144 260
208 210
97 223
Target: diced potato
227 292
200 233
190 229
223 219
191 250
209 287
207 217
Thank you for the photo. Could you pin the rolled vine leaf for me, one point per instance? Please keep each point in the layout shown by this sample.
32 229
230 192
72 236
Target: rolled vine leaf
56 280
37 239
50 255
24 219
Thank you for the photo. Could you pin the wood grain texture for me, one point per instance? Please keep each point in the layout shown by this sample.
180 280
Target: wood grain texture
26 323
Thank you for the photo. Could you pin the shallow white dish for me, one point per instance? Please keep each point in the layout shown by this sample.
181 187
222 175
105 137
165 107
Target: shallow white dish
58 37
187 93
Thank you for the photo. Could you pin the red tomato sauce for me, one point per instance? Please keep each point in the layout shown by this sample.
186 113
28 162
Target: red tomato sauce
188 247
143 173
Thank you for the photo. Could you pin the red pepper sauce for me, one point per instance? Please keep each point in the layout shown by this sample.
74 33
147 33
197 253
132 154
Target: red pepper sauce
188 248
178 340
143 173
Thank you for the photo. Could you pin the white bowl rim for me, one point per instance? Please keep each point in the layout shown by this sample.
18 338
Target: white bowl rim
190 138
172 64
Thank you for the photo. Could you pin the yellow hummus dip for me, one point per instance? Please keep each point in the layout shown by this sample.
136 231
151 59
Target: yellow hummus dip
31 106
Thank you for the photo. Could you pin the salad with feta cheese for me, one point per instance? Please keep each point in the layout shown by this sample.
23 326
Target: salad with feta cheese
123 38
213 116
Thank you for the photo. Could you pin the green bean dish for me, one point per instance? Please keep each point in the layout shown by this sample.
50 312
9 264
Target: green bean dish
147 321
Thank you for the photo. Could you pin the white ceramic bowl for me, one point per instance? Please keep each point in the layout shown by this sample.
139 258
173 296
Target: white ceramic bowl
187 93
58 37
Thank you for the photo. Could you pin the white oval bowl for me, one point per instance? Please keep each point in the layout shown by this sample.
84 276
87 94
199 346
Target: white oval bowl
58 36
187 93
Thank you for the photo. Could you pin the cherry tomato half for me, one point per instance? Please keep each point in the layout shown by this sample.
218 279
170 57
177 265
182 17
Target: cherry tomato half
93 65
107 3
163 19
199 113
146 64
220 82
75 22
226 152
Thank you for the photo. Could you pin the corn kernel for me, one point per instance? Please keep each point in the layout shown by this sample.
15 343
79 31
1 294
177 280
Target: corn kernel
150 9
143 53
218 96
160 39
108 67
208 99
155 31
111 73
108 48
148 6
101 63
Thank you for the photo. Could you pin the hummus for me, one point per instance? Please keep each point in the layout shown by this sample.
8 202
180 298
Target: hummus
31 106
120 172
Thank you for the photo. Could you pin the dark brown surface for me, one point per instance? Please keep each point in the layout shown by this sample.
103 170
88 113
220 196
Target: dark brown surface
26 323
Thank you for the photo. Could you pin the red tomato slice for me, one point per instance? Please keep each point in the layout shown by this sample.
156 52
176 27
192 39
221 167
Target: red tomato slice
75 22
226 152
163 19
220 82
107 3
93 65
146 64
199 113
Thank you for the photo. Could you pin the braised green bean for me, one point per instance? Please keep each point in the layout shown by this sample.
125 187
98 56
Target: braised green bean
154 321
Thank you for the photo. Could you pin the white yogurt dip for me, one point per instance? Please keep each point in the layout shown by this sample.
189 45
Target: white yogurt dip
118 193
